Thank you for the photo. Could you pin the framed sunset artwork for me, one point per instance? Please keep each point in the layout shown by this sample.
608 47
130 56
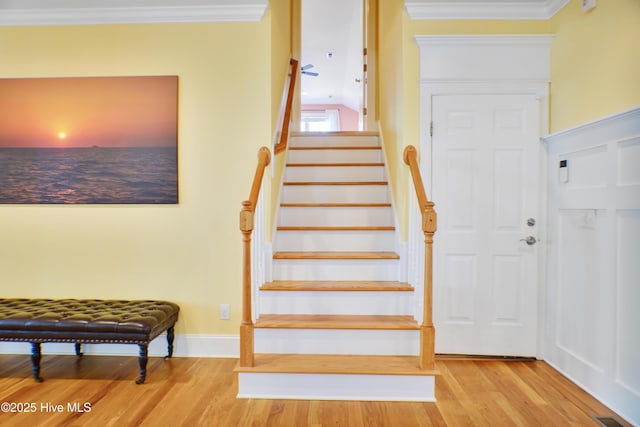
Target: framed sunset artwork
89 140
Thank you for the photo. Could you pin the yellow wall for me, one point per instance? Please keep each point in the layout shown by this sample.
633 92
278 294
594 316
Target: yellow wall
281 44
279 14
595 62
390 97
191 252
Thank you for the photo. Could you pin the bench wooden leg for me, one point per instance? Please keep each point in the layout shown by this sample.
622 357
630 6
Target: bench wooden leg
36 355
170 336
142 361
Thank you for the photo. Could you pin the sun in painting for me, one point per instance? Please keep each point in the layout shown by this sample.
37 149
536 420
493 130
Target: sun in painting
62 136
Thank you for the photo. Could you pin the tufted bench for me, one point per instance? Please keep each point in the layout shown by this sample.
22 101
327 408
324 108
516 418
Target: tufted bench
87 321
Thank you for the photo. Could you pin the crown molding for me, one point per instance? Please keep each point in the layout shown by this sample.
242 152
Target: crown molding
515 10
134 13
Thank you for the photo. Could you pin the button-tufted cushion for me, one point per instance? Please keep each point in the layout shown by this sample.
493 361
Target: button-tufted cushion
73 319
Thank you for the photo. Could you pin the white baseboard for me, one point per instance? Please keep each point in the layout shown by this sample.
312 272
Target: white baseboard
185 345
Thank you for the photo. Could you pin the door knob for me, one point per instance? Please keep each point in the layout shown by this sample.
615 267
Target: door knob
530 240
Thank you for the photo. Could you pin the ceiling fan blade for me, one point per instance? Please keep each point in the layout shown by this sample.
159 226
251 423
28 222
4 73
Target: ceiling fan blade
311 73
306 67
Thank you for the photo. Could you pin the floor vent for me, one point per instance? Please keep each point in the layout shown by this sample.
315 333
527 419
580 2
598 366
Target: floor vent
608 421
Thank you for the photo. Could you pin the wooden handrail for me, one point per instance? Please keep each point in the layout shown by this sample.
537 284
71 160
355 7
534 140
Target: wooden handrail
286 107
264 158
429 226
246 227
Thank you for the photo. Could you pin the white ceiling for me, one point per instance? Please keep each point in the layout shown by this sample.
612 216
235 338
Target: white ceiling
332 26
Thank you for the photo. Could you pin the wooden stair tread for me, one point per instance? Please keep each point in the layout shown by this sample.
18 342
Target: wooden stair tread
335 205
335 255
337 228
346 285
337 321
338 147
335 183
337 133
306 165
336 364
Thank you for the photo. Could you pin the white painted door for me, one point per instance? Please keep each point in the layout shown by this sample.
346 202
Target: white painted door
485 187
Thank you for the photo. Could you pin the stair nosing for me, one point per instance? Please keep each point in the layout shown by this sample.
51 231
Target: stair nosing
335 205
332 183
357 133
337 286
335 228
347 364
337 147
333 165
336 255
337 321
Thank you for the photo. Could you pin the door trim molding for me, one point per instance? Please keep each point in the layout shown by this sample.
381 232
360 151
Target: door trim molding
472 65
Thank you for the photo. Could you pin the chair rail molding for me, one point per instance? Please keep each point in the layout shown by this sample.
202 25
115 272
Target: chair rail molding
465 9
79 12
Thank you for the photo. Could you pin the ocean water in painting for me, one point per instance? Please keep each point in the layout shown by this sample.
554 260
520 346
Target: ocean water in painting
91 175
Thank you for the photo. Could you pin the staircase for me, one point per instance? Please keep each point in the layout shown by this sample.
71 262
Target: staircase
336 323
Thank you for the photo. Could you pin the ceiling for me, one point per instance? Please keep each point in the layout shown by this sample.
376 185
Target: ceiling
332 42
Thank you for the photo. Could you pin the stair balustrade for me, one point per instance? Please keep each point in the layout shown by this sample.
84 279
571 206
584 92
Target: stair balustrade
429 225
246 227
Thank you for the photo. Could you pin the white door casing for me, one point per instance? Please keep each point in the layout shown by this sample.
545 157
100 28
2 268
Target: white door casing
509 67
485 186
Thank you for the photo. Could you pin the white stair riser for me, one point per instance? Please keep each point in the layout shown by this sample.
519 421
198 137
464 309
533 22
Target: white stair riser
334 156
334 173
337 341
343 302
335 194
258 385
334 241
335 216
333 141
303 269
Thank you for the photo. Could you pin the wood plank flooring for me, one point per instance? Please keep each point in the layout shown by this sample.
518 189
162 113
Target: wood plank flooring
201 392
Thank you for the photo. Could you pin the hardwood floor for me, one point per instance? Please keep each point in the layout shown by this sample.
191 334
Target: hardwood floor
201 392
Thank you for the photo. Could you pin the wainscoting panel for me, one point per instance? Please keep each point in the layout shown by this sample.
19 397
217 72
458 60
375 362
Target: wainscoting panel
593 274
628 297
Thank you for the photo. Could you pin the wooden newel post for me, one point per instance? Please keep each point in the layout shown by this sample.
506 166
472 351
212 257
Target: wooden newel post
246 327
429 225
427 331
